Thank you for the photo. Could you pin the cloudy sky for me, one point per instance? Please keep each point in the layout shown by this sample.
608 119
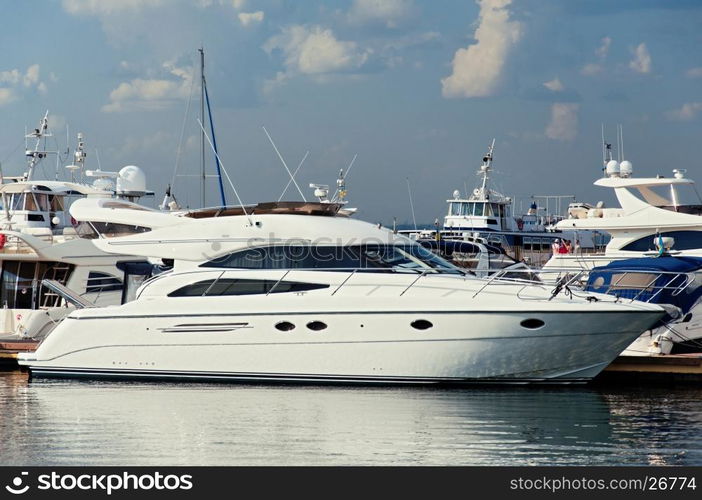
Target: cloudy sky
416 90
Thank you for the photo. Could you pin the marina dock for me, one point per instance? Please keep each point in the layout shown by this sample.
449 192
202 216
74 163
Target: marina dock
9 349
663 368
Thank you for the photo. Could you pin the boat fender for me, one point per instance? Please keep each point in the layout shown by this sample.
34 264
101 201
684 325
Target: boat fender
3 240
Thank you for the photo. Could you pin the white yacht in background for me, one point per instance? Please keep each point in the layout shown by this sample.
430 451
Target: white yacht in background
292 292
38 241
655 217
487 216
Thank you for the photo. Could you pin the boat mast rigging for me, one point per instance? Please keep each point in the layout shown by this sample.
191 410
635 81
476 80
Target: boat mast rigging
205 99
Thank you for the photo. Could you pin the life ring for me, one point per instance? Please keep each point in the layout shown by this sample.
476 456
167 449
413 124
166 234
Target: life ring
3 240
520 224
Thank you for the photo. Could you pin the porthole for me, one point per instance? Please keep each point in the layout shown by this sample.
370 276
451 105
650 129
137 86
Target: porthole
421 324
532 323
285 326
316 326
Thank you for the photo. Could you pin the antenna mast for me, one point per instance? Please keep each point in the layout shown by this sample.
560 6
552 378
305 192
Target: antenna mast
485 169
606 152
409 191
202 117
36 155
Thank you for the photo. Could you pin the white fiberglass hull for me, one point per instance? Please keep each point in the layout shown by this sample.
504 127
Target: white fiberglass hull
369 347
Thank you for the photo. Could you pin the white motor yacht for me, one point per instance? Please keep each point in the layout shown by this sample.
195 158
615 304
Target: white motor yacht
291 292
38 241
487 216
655 217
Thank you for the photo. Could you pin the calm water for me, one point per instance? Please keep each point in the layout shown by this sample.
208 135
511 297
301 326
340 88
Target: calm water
50 422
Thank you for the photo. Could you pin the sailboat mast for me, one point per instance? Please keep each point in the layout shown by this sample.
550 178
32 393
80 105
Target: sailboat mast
202 119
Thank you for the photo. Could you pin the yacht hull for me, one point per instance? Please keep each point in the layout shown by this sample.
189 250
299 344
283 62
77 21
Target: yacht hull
380 347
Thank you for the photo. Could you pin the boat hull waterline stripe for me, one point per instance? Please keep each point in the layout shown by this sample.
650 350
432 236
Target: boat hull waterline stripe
296 378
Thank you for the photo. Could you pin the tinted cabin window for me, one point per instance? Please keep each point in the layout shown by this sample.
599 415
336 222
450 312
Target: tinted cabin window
684 240
93 230
102 282
56 203
86 231
110 229
367 257
242 287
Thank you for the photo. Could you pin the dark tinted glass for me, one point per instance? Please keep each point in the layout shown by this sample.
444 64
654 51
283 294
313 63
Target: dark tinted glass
684 240
240 286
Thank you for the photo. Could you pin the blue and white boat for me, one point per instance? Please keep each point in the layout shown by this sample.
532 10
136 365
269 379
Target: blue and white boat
674 282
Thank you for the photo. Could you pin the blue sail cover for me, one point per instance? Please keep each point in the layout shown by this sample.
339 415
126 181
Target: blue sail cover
649 283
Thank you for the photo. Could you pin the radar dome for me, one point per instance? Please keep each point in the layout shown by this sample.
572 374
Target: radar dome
626 168
456 194
612 168
131 181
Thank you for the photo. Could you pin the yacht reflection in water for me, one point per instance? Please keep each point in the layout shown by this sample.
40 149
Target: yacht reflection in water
49 422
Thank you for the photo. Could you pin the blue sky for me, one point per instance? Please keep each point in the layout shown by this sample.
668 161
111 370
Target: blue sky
416 89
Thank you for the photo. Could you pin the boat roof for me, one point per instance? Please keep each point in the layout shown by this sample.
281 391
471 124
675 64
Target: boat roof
669 264
274 207
623 182
50 187
174 235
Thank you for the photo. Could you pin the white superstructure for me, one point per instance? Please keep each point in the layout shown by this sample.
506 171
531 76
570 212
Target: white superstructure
293 292
653 213
39 241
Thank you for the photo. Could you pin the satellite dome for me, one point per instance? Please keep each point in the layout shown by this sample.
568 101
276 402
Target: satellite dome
131 181
612 168
456 194
626 168
679 173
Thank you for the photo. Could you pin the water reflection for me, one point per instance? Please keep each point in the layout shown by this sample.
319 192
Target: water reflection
49 422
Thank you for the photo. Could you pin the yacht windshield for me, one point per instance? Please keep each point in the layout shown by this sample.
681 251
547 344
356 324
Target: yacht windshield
371 257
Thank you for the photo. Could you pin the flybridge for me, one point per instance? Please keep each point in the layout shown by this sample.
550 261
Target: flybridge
273 207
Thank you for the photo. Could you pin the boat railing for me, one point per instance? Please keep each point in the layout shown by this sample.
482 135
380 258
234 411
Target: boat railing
626 284
638 284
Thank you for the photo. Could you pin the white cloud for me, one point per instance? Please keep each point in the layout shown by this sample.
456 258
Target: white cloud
642 59
688 111
564 122
57 123
694 72
603 49
477 69
31 77
15 78
591 69
388 12
6 96
601 52
247 18
107 7
12 76
150 94
554 85
314 51
133 146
